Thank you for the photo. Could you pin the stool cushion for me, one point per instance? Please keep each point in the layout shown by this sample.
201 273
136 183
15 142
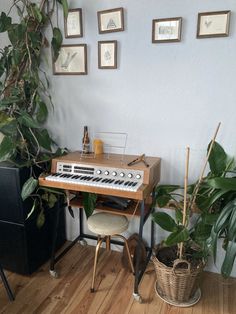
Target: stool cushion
107 224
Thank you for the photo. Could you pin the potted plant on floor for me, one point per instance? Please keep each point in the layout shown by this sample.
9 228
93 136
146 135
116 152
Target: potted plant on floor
195 237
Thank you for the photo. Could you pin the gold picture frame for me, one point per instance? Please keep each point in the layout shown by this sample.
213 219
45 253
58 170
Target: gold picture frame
107 54
110 20
213 24
72 60
73 24
166 30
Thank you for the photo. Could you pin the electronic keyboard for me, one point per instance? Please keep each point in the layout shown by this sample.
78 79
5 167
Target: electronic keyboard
103 174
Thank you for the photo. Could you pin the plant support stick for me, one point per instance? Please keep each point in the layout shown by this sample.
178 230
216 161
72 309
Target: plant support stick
185 197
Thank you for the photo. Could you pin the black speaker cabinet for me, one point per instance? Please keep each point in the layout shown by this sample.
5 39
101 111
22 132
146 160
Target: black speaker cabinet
23 246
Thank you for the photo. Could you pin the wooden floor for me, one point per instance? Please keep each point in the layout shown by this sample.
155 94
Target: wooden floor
70 293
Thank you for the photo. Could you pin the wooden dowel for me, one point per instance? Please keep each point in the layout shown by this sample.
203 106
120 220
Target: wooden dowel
204 167
185 197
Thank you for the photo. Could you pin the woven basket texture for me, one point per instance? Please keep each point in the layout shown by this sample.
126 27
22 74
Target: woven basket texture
177 284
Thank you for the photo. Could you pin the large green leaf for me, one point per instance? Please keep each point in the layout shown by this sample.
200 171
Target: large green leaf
28 121
56 42
232 225
229 259
40 219
44 139
212 243
181 235
5 22
7 148
8 101
8 125
29 187
89 202
217 159
224 216
165 221
204 202
64 4
42 112
227 184
16 33
162 194
178 215
202 231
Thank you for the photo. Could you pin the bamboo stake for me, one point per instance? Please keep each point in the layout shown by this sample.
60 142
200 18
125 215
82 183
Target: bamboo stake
185 197
203 168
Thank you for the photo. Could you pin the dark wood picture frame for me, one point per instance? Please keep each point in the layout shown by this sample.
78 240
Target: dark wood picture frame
110 20
72 60
209 24
166 34
74 30
107 54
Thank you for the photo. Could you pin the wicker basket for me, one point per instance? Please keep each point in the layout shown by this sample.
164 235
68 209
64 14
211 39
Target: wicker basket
177 284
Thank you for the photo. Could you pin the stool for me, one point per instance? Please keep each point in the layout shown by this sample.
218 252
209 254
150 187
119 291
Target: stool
107 225
6 285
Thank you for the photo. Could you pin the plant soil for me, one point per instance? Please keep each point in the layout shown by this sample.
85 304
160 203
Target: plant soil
167 256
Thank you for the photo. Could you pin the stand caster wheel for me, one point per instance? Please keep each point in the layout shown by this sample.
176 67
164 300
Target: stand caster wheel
137 297
53 273
83 242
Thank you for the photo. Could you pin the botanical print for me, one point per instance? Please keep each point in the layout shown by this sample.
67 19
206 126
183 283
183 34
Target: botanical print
110 21
73 23
213 24
71 60
166 30
107 54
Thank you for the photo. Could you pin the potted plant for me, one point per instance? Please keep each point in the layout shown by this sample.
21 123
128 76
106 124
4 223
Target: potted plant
194 238
24 96
180 259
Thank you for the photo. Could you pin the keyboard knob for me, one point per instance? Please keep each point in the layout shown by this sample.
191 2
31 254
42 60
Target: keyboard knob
99 171
138 176
122 174
106 172
114 173
130 175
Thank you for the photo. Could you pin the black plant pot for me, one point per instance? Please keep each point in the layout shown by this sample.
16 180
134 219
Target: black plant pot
23 246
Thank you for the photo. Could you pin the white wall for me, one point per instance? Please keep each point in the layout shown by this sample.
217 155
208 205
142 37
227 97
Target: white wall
165 96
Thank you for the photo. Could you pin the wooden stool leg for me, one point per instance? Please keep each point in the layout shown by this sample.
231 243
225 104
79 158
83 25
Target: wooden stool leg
127 249
95 263
5 282
108 243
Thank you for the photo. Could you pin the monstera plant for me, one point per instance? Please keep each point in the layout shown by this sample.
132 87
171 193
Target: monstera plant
24 96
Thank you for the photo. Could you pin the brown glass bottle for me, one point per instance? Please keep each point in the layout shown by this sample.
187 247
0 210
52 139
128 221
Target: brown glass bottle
85 141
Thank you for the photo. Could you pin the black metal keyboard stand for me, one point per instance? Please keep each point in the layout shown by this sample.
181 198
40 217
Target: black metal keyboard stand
138 273
6 285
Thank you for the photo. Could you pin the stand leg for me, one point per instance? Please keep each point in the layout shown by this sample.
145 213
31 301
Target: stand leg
136 281
6 285
81 227
52 271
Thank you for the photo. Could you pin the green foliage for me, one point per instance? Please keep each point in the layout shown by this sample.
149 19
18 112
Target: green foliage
24 98
216 200
89 201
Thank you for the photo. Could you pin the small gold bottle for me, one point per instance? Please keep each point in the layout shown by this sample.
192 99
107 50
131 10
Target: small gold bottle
86 141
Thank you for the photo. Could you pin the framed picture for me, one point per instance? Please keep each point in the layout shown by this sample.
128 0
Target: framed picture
107 54
213 24
166 30
73 24
111 20
72 60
